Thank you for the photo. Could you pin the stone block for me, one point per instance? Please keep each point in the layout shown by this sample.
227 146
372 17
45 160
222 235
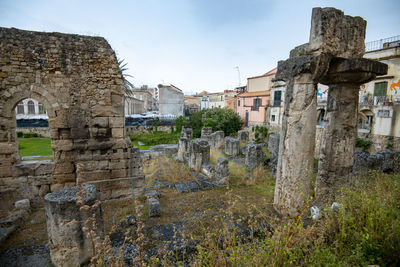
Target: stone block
118 132
86 177
243 135
154 207
182 188
222 172
63 167
254 155
232 146
100 122
193 186
337 34
117 122
187 133
23 204
199 153
63 178
69 244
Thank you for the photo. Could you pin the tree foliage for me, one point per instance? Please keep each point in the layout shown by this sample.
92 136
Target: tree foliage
127 85
220 119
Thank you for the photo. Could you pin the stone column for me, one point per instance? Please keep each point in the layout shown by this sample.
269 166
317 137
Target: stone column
243 136
254 155
297 143
183 144
69 244
187 133
218 139
232 146
338 139
206 134
222 172
199 153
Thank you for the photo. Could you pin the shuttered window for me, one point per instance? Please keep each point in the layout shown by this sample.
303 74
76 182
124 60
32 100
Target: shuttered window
380 89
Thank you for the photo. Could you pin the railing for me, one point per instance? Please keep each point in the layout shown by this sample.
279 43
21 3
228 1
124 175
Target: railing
382 43
376 101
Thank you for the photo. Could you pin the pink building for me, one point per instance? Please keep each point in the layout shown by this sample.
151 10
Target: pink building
252 105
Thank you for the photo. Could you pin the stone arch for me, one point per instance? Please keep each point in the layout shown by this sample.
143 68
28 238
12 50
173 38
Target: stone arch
78 80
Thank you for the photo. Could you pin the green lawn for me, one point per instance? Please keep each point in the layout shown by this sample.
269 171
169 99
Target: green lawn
36 146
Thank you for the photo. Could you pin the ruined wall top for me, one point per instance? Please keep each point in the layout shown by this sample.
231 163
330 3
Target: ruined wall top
337 34
62 66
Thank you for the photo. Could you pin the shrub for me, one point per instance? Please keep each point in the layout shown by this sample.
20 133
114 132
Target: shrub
179 123
30 135
220 119
156 138
364 144
20 134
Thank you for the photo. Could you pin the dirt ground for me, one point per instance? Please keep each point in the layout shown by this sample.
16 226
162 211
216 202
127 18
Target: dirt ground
201 210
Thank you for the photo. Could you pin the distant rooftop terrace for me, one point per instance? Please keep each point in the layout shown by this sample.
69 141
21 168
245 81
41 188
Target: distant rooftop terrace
382 43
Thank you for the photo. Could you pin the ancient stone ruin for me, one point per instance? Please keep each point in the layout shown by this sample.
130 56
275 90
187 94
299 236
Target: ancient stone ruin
77 78
199 154
243 136
254 155
232 146
69 243
333 57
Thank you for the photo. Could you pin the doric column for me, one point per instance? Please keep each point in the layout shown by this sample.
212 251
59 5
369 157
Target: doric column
338 139
297 143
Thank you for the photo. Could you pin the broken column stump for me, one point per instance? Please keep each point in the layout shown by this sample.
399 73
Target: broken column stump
340 132
199 154
218 140
232 146
69 243
206 133
184 143
254 155
222 172
243 136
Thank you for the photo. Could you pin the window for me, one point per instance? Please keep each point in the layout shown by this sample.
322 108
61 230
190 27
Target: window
20 108
141 97
380 89
31 107
321 115
256 103
277 98
221 98
383 113
41 109
238 103
273 118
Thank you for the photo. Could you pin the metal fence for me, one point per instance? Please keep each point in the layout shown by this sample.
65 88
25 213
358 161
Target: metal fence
382 43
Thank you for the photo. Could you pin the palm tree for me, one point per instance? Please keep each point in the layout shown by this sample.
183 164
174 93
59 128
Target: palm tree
127 85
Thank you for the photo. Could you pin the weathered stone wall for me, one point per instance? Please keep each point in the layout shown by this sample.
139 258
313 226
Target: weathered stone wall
41 131
78 80
147 129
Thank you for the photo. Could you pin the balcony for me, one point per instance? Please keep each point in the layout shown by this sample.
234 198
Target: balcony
378 101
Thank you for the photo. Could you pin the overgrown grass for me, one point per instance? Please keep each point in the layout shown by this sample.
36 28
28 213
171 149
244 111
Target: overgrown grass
154 138
169 170
365 231
34 146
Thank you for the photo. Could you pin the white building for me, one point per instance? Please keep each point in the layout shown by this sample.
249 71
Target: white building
171 100
30 108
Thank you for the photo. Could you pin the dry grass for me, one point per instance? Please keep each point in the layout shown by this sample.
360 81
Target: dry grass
32 232
168 169
215 154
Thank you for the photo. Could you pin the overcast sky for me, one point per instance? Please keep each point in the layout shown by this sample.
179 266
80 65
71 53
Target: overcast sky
195 44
